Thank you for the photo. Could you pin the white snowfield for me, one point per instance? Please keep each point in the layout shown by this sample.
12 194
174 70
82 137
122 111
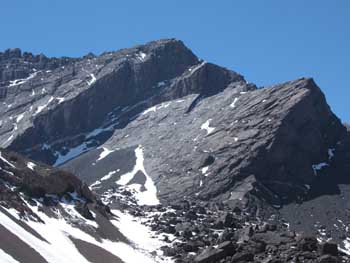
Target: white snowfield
60 248
140 235
6 258
149 195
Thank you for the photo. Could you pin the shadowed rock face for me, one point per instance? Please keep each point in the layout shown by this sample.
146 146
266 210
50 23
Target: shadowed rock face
50 103
40 204
38 179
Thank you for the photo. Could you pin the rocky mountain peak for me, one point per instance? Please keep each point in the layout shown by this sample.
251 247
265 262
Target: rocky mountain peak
174 140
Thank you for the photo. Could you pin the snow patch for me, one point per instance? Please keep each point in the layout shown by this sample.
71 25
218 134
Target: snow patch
141 56
139 235
60 100
31 165
109 175
149 195
307 186
204 170
6 161
196 67
19 117
9 138
72 153
318 167
331 154
233 104
155 108
160 84
104 178
42 107
346 248
105 152
22 81
92 80
205 126
60 249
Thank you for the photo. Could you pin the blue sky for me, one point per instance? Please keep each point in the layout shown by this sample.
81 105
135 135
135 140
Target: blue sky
267 41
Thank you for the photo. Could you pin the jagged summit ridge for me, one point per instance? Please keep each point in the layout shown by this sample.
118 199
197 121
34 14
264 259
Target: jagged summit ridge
120 79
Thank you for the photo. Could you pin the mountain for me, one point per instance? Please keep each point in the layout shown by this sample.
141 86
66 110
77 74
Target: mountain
49 215
193 153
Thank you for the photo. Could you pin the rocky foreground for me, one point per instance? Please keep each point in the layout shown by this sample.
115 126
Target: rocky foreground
209 232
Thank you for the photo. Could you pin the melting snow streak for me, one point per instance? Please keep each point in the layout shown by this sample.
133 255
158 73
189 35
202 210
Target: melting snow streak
93 79
233 104
40 108
148 196
104 154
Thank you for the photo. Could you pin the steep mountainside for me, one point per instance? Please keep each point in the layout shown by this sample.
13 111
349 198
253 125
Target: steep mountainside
151 126
48 215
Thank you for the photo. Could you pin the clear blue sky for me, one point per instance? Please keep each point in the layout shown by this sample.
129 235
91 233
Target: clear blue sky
268 41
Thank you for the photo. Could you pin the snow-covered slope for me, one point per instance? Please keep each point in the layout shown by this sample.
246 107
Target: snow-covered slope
64 222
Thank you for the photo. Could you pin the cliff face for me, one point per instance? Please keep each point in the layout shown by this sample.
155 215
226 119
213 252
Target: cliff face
223 145
48 105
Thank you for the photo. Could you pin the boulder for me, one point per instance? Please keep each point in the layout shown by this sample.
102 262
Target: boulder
307 243
329 248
